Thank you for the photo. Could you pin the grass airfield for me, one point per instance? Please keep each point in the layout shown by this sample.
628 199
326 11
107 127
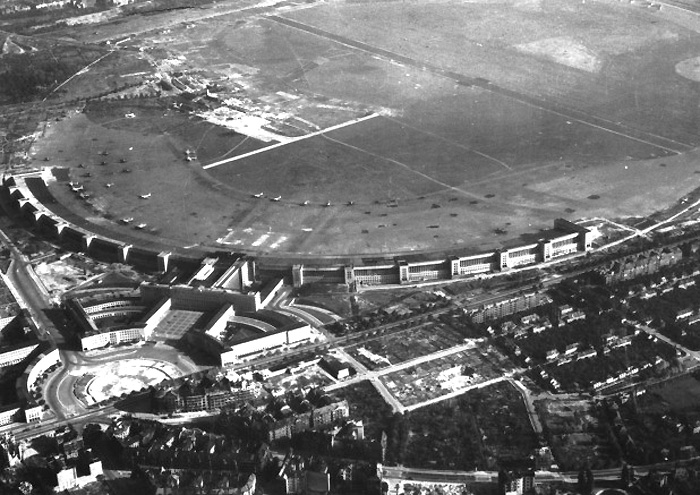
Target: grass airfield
489 120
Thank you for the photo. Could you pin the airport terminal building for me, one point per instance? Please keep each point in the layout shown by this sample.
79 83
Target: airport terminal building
26 193
200 310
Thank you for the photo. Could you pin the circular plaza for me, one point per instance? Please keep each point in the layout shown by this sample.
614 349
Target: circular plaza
94 377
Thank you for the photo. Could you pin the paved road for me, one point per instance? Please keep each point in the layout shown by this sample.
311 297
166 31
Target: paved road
281 304
403 365
59 389
329 314
529 406
32 297
651 331
100 415
252 322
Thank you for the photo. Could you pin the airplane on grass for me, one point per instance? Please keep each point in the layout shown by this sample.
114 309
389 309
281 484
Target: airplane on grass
190 155
109 184
276 198
141 226
258 195
127 219
145 196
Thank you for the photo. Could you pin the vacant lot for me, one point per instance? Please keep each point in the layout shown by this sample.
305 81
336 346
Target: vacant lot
402 346
444 375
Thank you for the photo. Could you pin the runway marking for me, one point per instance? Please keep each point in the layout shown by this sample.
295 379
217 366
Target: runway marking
291 140
401 164
278 242
599 127
488 157
260 240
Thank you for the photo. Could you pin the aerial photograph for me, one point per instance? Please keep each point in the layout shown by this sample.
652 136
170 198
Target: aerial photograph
350 247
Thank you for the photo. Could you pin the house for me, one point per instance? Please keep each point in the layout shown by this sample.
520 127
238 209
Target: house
336 368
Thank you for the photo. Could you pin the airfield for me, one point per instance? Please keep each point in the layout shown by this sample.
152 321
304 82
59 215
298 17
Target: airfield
382 128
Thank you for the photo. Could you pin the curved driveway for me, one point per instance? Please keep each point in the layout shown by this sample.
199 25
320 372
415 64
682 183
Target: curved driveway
59 389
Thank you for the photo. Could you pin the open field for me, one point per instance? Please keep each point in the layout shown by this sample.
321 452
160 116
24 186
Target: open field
123 377
536 110
680 394
401 346
444 375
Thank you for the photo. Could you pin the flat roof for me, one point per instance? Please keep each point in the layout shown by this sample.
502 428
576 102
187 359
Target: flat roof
178 322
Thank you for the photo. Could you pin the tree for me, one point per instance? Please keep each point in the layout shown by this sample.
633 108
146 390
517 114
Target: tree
625 475
585 481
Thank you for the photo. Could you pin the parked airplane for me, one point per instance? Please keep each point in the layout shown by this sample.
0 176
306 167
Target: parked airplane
305 203
109 184
141 226
328 203
276 198
145 196
127 219
350 203
259 195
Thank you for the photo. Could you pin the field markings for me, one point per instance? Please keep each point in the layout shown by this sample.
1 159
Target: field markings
292 140
445 185
407 167
468 81
467 148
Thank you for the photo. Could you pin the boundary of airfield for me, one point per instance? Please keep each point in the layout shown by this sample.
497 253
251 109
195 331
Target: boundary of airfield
26 196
